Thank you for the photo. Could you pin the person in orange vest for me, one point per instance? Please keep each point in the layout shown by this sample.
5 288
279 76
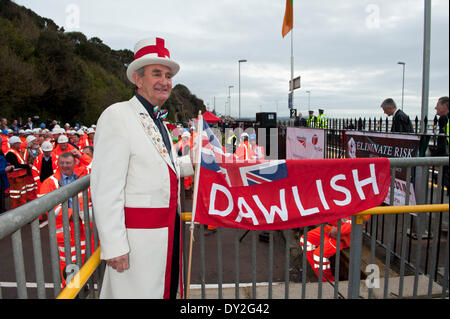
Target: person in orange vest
184 145
329 246
45 165
89 152
32 150
258 151
90 134
83 139
21 191
244 152
83 160
63 176
74 139
4 141
63 146
48 136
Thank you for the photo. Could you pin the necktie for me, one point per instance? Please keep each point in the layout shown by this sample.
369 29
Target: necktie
66 179
159 113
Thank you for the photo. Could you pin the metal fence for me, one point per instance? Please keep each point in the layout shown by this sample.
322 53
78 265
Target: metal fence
281 253
46 261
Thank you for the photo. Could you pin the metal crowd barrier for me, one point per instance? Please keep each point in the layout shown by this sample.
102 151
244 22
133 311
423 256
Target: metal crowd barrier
12 222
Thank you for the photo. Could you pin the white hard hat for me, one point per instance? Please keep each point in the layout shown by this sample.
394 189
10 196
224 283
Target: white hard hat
21 131
62 139
30 138
186 134
47 146
28 131
14 140
90 130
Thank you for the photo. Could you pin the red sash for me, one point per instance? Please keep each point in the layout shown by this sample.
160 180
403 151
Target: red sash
148 218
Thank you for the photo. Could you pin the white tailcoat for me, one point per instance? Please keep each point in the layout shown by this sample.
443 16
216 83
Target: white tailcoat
130 168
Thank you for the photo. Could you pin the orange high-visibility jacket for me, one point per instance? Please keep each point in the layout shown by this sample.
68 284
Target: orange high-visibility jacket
50 184
57 150
37 168
244 152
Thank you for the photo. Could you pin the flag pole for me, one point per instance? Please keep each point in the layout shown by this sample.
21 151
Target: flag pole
292 58
194 201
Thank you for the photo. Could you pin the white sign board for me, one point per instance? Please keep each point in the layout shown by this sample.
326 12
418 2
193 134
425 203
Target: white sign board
305 143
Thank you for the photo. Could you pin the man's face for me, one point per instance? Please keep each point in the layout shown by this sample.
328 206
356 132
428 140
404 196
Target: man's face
75 139
63 146
16 146
88 152
47 153
156 84
66 165
388 110
441 109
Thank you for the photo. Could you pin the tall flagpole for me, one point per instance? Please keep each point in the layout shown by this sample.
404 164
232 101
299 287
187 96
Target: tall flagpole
291 87
292 60
194 201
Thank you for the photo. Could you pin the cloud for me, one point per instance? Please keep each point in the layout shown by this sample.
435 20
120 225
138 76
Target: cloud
346 52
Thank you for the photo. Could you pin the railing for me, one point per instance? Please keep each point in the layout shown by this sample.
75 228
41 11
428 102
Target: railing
13 221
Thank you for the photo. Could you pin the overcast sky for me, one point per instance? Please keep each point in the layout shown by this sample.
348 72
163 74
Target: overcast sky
346 51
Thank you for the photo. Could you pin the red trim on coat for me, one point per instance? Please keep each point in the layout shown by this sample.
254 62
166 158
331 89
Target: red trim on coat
152 218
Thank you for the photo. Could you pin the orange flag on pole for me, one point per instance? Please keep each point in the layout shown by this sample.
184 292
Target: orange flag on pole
288 22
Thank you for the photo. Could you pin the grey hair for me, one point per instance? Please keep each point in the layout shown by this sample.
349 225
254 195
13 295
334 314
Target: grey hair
388 103
140 72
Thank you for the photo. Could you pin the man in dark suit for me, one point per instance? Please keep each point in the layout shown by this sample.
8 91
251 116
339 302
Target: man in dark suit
400 121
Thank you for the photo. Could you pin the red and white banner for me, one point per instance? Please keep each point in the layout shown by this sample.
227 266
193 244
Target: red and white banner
284 194
305 143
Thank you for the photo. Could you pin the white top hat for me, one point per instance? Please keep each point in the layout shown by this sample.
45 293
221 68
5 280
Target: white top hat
151 51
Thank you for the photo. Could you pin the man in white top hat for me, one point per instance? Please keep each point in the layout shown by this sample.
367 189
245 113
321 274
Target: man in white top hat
135 184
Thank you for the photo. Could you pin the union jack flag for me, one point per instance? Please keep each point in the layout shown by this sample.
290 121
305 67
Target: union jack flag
238 173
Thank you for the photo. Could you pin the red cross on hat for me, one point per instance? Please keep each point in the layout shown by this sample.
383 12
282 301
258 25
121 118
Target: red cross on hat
151 51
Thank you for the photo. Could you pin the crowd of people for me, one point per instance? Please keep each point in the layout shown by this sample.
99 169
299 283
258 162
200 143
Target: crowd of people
37 161
30 155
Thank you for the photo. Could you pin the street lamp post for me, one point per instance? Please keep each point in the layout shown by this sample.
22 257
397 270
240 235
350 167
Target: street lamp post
229 97
309 99
239 63
403 81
